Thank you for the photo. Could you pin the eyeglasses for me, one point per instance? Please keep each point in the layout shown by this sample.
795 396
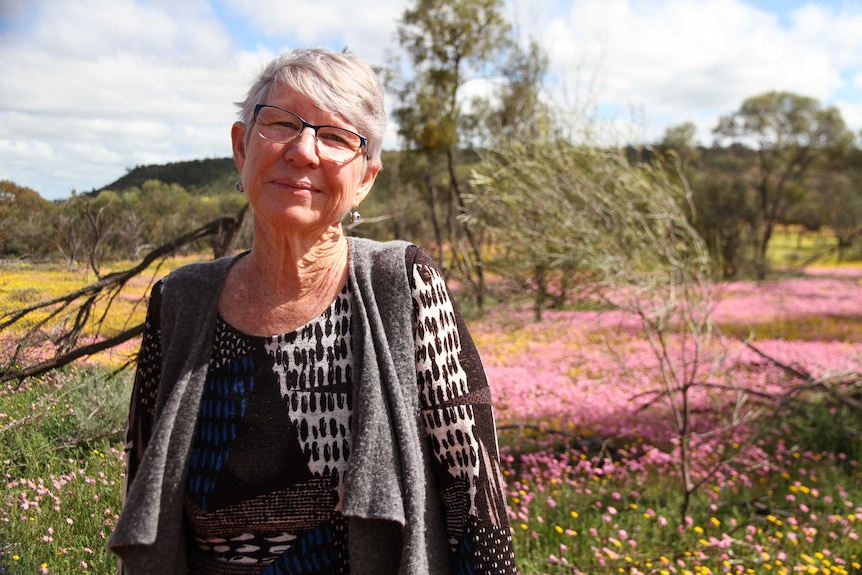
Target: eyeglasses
284 127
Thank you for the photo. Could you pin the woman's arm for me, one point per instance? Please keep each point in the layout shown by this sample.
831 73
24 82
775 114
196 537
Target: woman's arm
459 424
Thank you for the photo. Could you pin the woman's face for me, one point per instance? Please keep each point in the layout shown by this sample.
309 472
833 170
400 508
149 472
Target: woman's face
289 186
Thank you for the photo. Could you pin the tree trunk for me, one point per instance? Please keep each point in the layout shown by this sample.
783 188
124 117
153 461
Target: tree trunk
435 222
228 231
471 238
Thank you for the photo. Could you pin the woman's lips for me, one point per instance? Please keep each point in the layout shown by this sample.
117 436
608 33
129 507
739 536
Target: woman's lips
297 186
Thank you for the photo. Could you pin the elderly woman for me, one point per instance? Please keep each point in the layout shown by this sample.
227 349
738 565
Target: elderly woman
314 405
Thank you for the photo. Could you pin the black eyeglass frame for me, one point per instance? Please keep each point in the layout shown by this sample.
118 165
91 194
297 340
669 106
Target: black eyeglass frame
363 141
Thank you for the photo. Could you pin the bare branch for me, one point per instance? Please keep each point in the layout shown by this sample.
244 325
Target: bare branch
71 356
80 305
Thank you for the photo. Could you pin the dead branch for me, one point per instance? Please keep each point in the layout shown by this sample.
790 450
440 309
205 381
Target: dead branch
797 373
81 304
71 356
655 395
828 383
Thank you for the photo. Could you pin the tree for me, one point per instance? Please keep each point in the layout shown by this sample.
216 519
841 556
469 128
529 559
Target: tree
521 112
101 221
723 215
680 139
791 133
24 221
526 196
556 207
68 234
448 43
837 205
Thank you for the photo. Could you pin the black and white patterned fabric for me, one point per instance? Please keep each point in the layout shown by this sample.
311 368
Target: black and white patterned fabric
273 440
459 424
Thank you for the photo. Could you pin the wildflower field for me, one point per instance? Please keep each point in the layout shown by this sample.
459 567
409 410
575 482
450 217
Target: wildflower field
590 451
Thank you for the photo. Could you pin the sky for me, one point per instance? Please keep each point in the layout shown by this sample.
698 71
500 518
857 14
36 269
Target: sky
92 88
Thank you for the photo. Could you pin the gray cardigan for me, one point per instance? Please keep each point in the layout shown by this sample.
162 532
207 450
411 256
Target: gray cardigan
395 514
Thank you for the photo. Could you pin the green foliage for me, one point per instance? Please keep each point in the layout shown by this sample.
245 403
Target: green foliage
554 207
61 460
24 221
723 213
213 176
447 41
114 224
396 207
828 425
792 134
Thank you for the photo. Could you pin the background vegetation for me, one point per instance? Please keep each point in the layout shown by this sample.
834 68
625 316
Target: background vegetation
645 430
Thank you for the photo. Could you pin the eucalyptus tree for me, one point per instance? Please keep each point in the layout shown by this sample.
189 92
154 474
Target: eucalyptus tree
448 44
837 205
522 112
681 139
791 133
24 221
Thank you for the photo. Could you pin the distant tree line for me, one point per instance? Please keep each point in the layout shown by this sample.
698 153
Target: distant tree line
212 176
110 225
790 160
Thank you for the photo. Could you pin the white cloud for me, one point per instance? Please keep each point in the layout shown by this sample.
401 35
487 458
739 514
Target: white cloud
100 85
683 60
365 29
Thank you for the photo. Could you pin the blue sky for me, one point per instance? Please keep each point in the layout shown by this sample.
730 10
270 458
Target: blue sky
93 87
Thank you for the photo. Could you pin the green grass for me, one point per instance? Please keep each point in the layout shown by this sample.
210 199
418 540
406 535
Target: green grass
60 444
622 522
62 470
791 247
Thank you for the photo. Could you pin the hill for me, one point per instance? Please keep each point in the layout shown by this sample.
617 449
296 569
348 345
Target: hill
212 176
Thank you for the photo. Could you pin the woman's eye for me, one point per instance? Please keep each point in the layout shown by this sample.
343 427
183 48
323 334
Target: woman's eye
334 138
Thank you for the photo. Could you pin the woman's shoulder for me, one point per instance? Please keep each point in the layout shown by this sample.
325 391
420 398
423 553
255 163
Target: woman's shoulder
365 246
203 271
400 249
197 280
379 257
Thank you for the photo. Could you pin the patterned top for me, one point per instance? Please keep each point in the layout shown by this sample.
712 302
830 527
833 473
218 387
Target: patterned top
273 439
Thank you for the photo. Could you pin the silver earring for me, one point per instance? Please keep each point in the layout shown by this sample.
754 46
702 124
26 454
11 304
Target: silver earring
239 187
355 217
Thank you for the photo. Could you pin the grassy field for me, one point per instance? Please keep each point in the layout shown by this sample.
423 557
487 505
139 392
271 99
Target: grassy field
793 246
591 470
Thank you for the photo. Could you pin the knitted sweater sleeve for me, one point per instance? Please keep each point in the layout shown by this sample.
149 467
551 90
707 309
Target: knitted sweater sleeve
458 423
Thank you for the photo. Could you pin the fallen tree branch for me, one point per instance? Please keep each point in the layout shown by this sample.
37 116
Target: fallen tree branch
107 287
69 357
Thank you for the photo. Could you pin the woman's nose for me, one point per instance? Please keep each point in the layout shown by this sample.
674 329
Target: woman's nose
305 146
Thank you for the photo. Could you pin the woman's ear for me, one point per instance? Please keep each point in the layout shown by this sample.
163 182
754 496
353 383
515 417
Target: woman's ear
368 178
237 137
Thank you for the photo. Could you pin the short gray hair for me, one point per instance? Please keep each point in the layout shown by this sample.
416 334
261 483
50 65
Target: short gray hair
338 83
